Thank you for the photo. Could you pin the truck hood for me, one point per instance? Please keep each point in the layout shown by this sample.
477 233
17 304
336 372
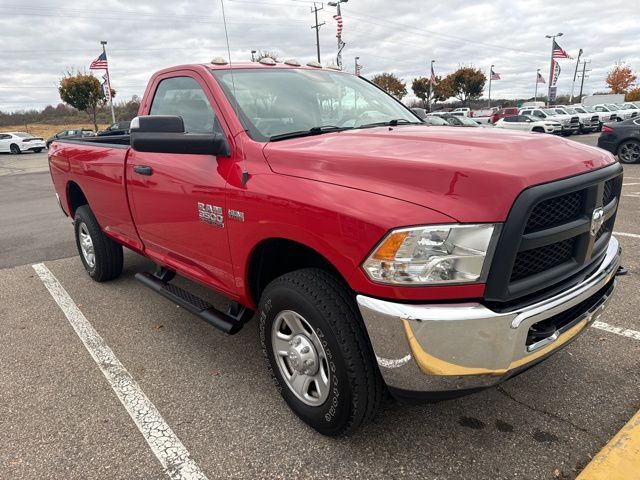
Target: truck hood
469 174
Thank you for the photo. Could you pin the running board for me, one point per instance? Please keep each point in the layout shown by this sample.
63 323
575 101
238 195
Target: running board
230 323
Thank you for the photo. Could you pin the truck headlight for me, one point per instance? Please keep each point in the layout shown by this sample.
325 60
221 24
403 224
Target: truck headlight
432 255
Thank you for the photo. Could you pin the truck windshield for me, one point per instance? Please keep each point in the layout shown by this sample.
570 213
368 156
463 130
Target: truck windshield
283 103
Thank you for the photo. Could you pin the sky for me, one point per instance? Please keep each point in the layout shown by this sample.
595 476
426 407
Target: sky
41 40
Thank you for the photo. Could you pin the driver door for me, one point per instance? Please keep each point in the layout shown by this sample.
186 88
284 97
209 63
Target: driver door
178 200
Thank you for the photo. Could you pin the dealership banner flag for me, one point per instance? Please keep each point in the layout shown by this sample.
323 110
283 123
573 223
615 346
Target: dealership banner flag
556 73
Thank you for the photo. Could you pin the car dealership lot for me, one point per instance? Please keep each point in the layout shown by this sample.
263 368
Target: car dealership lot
61 417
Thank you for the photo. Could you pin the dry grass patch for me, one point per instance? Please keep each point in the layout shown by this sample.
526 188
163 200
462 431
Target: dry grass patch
45 130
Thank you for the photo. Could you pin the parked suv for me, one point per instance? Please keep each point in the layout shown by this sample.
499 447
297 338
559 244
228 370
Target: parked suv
69 134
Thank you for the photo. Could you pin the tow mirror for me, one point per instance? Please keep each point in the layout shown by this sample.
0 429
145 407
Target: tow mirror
165 134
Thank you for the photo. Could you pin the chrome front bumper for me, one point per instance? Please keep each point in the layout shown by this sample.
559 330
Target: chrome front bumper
450 347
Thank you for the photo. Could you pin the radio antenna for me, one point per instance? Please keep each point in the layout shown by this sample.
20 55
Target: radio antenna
245 173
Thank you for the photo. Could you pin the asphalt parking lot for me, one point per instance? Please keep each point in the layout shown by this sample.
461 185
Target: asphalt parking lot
60 417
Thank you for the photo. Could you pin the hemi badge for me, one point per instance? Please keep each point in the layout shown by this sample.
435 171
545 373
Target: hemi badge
236 215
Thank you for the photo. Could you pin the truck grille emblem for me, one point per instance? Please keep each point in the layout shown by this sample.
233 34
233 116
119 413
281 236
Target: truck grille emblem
597 219
210 214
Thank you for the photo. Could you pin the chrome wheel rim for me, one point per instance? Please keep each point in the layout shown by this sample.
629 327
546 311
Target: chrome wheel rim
301 358
629 152
86 245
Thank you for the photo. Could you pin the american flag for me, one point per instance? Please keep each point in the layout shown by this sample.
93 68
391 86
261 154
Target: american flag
540 79
494 75
558 52
433 79
338 18
100 63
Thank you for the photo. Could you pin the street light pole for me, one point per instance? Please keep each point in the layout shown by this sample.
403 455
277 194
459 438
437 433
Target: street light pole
490 78
253 55
535 95
575 74
553 41
355 68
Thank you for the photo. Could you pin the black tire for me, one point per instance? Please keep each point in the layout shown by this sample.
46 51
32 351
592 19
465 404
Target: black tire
629 151
356 386
108 258
15 149
567 134
538 129
37 150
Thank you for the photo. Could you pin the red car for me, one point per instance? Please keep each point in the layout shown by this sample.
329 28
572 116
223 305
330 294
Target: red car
504 112
376 251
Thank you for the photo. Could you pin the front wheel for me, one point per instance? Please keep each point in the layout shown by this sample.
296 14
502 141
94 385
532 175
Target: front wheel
15 149
102 257
37 150
629 151
317 351
567 133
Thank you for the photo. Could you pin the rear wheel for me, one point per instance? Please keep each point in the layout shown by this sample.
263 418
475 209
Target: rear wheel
538 129
317 351
37 150
567 133
15 149
102 257
629 151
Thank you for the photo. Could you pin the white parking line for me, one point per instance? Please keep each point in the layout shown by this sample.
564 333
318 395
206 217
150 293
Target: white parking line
622 234
627 184
166 446
625 332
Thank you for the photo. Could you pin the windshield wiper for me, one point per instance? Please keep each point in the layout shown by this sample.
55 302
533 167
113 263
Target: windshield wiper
390 123
308 133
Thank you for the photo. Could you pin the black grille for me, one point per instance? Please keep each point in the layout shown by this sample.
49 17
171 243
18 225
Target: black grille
609 191
555 211
540 259
546 242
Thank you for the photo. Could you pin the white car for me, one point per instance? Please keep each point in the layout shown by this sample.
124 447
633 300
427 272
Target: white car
570 123
465 111
18 142
589 122
529 123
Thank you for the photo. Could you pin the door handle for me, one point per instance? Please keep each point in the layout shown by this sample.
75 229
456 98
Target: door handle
143 170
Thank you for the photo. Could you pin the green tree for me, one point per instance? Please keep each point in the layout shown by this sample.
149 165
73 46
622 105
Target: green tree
466 83
83 92
391 84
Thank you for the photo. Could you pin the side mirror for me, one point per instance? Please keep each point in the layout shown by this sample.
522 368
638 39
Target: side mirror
165 134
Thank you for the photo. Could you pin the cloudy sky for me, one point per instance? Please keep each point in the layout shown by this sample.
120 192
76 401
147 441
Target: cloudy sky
40 40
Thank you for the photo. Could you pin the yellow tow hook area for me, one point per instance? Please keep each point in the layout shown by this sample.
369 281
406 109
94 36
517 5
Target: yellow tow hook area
620 458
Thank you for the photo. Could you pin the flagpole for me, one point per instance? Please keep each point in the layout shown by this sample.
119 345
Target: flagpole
535 95
490 78
104 50
553 41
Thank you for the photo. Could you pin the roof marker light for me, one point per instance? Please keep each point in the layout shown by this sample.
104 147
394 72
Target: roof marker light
314 64
293 62
267 61
219 61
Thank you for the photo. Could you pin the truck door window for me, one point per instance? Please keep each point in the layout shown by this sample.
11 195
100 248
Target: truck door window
183 97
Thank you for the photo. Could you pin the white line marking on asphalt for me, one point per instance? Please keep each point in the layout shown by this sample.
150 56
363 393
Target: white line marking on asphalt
627 184
166 446
632 235
625 332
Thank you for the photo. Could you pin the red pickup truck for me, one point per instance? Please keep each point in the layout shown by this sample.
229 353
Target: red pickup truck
377 252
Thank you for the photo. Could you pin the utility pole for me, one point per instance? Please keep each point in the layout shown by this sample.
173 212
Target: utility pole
104 50
535 95
575 74
584 71
317 26
338 18
553 41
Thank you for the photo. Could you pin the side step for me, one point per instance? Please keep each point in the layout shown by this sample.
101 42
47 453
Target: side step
230 323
